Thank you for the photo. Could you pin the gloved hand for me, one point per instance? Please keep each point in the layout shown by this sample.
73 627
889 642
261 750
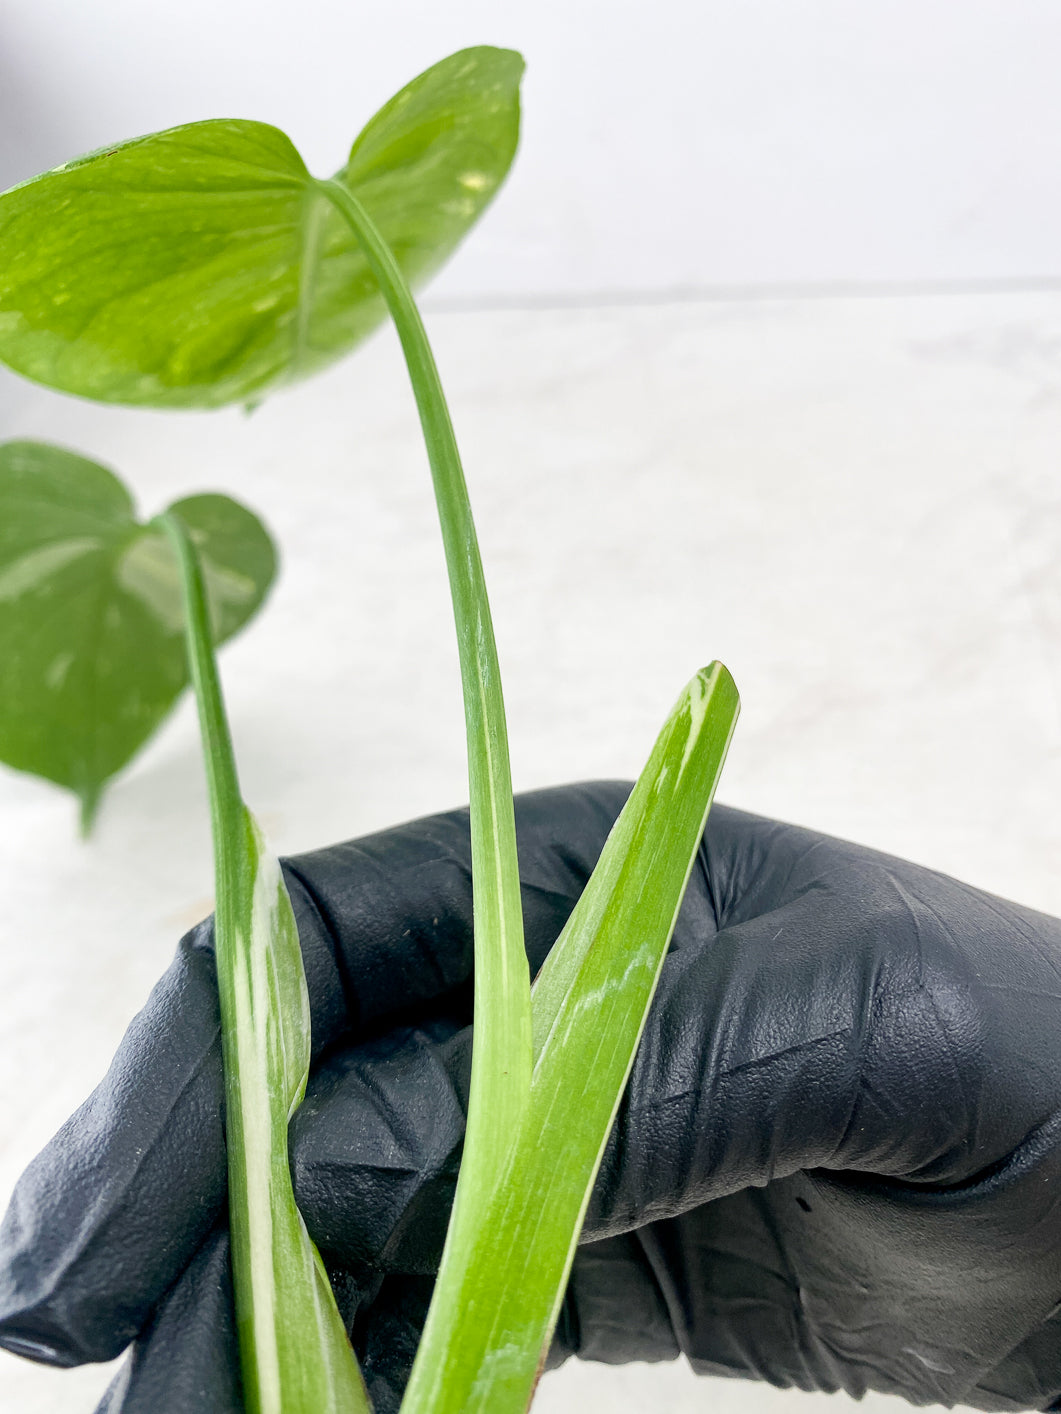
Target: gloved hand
837 1165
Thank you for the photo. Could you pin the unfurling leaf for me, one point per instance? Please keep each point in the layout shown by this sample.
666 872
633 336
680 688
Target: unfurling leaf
91 621
500 1286
202 266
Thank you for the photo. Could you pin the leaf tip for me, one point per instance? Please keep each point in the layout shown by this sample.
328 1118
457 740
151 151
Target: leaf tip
716 677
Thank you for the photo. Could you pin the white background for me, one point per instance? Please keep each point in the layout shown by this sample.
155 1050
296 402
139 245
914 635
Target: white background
683 441
668 146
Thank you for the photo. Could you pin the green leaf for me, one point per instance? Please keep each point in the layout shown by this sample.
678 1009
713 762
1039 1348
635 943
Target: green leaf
202 266
294 1352
91 617
496 1302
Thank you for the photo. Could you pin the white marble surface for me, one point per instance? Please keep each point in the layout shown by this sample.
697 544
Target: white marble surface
854 503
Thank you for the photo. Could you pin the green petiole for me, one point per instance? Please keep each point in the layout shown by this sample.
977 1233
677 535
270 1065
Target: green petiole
295 1355
501 1059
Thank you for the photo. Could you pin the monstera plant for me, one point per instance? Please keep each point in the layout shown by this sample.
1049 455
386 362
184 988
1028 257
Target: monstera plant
203 266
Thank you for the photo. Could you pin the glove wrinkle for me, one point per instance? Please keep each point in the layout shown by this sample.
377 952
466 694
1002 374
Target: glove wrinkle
386 1337
385 958
326 979
375 1149
186 1360
1031 1368
616 1309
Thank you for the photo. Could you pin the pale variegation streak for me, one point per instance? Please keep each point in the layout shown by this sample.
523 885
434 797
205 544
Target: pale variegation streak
32 570
254 1005
300 1353
147 571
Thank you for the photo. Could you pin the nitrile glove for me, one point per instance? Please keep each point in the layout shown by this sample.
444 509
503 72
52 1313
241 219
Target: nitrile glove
837 1165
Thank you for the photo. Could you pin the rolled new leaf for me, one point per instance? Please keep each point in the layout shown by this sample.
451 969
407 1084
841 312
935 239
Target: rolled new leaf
294 1353
499 1292
91 614
202 265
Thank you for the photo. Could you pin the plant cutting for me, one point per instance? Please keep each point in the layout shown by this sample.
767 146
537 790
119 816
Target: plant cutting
204 265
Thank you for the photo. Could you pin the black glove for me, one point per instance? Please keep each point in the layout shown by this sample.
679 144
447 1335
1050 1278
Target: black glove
837 1165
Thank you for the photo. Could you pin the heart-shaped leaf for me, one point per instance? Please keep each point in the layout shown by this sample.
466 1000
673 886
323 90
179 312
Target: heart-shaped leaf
91 618
202 266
